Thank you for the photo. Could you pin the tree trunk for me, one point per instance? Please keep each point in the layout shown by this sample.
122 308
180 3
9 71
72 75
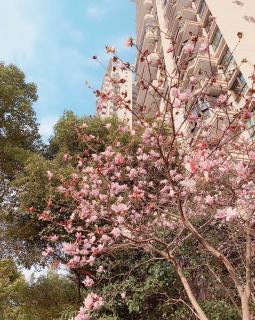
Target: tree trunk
245 307
193 300
190 294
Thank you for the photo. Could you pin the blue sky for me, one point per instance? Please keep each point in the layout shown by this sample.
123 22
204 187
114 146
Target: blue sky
52 41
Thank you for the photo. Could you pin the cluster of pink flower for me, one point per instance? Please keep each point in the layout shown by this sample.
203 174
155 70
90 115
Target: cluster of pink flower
91 302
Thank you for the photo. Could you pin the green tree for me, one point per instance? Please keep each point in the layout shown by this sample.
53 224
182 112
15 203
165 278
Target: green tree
45 298
18 126
19 140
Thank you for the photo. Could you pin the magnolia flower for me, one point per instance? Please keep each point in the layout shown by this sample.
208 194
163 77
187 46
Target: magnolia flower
108 126
50 175
119 208
209 199
116 232
185 96
204 47
189 48
53 238
147 134
129 42
82 316
66 157
222 99
170 49
88 282
123 295
133 174
228 214
69 248
241 170
93 301
48 252
88 302
189 184
193 80
174 92
84 125
45 216
100 269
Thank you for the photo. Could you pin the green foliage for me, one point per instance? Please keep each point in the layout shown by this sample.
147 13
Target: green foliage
66 134
46 298
19 129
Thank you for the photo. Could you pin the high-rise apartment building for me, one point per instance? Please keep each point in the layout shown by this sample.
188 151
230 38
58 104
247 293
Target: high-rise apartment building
117 83
177 31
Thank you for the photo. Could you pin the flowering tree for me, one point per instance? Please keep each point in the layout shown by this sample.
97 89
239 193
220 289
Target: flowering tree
186 173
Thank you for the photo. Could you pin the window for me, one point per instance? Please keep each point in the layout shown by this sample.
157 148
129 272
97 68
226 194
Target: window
216 39
239 85
117 90
203 105
251 124
202 8
208 23
227 60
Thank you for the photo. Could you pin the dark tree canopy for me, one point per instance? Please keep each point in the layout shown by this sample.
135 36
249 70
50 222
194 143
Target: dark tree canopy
18 125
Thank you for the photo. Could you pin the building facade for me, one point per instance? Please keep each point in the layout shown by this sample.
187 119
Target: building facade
207 40
117 83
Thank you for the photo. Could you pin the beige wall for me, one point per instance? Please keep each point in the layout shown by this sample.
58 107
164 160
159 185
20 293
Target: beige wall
230 19
110 81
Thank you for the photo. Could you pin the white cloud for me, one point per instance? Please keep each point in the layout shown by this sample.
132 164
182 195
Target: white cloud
47 126
19 30
96 11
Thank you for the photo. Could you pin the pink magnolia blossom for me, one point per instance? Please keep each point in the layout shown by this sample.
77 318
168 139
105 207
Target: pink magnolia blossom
69 248
193 80
209 199
175 92
133 174
100 269
204 47
84 125
185 96
116 232
227 214
88 282
190 184
45 216
108 126
93 301
129 42
82 316
66 157
222 99
170 49
48 252
50 175
53 238
189 48
123 295
119 208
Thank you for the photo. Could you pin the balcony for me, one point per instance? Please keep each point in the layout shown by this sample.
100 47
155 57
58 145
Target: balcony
148 5
149 41
189 27
149 20
223 121
156 90
179 10
201 65
213 87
